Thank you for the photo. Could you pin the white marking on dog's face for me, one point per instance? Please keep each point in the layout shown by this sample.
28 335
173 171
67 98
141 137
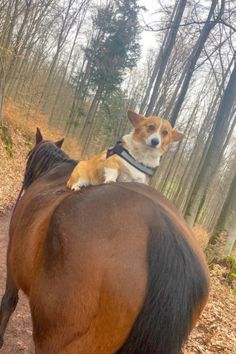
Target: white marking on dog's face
154 140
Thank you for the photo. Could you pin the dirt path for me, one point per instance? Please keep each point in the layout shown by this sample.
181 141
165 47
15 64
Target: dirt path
18 337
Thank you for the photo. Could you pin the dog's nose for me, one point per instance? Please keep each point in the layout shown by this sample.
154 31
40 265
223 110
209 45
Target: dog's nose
155 141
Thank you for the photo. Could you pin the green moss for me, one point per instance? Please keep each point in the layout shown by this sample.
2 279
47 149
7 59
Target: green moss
6 139
28 140
233 292
231 260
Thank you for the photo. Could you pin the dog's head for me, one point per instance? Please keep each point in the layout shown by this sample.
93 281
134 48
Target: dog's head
154 132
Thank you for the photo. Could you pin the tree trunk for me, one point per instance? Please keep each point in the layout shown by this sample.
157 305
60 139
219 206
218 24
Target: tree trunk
52 115
1 102
213 154
194 163
208 26
170 106
227 219
2 89
86 131
165 54
76 104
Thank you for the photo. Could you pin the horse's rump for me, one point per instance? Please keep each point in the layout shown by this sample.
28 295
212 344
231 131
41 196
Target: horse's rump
121 270
94 261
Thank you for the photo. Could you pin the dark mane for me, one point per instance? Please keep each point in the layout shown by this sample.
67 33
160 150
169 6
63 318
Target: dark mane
42 158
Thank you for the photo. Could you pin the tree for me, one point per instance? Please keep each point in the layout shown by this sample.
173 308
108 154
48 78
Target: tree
113 50
165 53
213 153
227 219
197 50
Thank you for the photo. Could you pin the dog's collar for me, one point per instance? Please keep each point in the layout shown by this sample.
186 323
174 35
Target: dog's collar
119 150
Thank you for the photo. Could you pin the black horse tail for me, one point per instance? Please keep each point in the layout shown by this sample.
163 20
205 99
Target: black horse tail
177 291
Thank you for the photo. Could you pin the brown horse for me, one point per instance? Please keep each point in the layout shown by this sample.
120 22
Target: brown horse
111 269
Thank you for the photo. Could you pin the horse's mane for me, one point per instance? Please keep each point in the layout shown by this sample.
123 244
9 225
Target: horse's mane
42 158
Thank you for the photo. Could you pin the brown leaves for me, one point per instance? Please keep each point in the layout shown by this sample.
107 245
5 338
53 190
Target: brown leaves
216 330
201 235
22 126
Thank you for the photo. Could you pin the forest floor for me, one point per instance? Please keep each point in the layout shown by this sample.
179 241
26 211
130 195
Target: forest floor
216 330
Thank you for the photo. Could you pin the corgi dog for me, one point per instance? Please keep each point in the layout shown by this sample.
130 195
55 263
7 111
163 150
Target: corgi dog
134 158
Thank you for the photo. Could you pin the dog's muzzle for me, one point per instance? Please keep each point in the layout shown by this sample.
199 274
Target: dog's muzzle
155 142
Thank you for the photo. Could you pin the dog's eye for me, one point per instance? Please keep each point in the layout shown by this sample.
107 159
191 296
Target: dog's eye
151 127
165 132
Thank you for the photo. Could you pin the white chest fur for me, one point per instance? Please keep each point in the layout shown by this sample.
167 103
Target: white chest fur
131 174
150 157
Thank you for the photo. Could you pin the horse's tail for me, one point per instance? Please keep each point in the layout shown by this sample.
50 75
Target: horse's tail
177 292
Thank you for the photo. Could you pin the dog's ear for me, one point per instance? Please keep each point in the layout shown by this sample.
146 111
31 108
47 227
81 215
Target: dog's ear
38 136
176 135
59 143
135 118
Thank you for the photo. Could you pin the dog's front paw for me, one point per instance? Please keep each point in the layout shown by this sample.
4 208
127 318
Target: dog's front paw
79 184
75 188
108 181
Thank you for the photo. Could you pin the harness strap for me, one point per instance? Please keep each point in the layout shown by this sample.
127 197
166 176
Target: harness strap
119 150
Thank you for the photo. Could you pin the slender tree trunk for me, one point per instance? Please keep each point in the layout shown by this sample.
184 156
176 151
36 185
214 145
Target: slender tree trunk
76 104
68 62
165 54
86 131
170 106
171 193
154 72
1 102
208 26
20 35
213 154
194 164
2 88
8 28
63 34
227 219
150 85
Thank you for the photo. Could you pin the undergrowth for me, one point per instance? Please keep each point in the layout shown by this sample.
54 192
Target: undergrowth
6 139
229 262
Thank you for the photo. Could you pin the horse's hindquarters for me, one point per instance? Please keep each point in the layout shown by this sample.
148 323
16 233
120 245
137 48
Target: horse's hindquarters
95 280
114 271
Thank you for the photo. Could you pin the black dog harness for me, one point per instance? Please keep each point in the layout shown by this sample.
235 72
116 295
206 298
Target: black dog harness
119 150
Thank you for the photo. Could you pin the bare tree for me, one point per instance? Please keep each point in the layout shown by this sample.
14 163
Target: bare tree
211 159
165 52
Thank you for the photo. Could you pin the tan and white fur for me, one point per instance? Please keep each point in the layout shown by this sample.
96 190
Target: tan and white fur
147 142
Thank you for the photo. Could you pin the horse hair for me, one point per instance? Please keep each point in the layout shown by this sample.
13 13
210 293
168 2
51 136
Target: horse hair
41 159
174 292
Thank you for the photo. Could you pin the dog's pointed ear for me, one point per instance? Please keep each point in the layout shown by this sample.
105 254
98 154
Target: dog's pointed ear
59 143
135 118
176 135
38 136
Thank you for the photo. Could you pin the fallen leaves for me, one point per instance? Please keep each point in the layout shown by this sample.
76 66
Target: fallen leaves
22 126
216 330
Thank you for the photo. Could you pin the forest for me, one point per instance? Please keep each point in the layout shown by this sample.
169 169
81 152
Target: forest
82 63
75 67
